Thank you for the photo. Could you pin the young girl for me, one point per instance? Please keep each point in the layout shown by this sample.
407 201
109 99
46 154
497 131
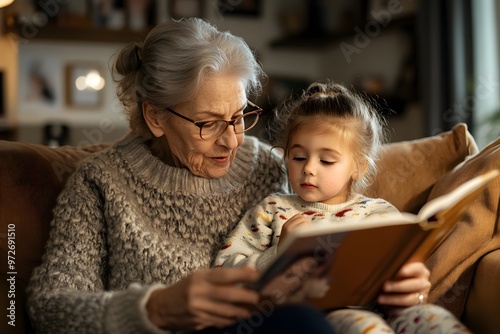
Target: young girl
330 138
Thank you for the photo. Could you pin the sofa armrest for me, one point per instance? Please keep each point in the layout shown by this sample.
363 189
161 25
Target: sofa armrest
17 320
31 177
482 308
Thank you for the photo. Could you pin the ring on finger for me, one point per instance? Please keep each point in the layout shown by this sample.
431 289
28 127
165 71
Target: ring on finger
420 298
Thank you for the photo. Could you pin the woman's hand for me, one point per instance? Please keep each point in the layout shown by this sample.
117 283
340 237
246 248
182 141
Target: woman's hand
212 297
411 287
291 224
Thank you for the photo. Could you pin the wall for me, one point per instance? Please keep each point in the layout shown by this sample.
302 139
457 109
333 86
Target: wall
8 64
381 57
105 122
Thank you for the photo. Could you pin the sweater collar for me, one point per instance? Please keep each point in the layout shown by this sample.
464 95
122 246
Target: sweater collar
353 199
151 170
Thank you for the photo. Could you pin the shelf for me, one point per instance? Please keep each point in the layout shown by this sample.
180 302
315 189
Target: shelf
306 41
315 40
53 31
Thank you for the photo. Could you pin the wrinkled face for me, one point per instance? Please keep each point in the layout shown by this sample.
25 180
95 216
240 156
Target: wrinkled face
321 166
221 98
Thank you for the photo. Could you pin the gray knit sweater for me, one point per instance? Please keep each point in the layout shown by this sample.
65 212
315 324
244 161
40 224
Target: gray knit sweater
126 222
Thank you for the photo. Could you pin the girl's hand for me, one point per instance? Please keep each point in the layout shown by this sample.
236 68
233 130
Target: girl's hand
411 287
212 297
292 224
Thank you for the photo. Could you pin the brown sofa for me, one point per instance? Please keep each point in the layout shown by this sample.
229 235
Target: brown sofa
465 267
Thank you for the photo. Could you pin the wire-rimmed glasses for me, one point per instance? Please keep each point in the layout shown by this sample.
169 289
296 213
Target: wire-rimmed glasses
215 128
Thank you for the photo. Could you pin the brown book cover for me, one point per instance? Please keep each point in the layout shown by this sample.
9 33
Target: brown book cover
347 264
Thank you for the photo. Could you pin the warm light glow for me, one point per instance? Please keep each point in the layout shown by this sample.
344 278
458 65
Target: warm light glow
80 83
91 81
94 80
4 3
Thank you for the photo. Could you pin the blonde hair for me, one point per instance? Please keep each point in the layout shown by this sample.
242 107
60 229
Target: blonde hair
171 64
333 105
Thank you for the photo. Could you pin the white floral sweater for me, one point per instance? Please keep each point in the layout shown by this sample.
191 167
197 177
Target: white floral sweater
254 240
126 223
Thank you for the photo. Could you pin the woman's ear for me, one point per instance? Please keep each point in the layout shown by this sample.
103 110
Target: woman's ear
150 115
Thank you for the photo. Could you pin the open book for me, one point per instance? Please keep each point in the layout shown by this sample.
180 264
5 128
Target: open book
355 259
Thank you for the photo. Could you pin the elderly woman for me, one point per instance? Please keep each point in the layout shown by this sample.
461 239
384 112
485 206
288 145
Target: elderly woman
138 225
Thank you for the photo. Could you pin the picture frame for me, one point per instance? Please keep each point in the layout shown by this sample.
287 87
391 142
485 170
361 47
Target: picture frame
240 7
84 85
185 8
40 85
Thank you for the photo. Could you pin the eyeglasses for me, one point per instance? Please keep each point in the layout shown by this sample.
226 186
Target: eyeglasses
213 129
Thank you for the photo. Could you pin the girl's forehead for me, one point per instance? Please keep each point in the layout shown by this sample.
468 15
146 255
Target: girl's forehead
321 128
326 135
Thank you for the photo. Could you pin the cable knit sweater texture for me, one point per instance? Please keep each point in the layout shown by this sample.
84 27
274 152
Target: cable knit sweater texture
126 224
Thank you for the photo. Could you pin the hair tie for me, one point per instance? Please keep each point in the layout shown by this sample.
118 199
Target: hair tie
138 55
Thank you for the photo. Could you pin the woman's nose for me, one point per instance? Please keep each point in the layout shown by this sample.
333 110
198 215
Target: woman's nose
229 138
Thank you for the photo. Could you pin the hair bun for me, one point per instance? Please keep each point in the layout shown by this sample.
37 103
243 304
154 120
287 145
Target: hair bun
325 90
315 89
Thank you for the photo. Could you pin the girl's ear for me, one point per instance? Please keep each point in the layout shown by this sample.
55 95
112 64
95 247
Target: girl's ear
361 168
150 115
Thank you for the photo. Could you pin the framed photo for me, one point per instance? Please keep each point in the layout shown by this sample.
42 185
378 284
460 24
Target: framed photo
185 8
40 83
84 85
239 7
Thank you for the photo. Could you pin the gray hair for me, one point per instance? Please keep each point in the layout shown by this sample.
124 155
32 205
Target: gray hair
170 66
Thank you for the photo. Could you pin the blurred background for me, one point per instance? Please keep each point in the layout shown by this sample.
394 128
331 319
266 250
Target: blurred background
428 64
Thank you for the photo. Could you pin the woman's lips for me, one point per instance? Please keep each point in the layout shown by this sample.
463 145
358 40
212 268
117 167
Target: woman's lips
223 159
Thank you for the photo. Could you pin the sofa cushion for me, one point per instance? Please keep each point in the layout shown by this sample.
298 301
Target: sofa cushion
408 170
452 264
484 290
